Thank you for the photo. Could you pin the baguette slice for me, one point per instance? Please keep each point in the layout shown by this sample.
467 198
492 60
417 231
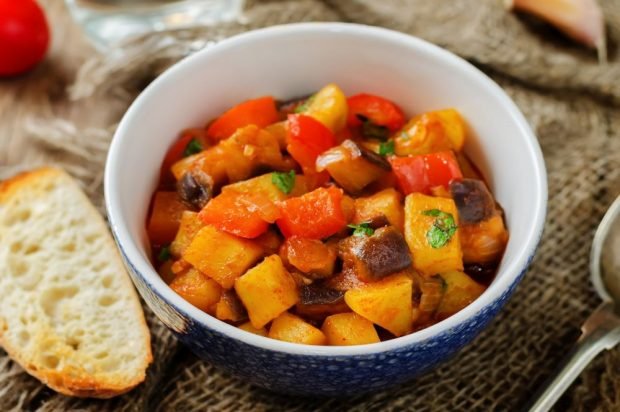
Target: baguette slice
68 311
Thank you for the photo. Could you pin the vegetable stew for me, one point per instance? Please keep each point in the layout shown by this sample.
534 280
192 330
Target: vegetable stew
326 220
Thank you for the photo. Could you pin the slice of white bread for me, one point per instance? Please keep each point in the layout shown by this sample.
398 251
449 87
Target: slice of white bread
69 314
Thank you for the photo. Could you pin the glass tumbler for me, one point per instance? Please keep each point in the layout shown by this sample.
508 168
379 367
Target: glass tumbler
106 22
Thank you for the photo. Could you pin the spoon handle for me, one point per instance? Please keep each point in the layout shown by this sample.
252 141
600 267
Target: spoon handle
600 331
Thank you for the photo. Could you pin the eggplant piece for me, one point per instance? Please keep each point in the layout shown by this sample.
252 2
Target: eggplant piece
319 295
352 166
481 272
316 301
372 130
473 200
374 257
373 157
195 188
482 231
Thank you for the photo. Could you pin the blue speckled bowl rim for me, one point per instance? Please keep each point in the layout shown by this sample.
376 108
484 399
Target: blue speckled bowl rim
496 292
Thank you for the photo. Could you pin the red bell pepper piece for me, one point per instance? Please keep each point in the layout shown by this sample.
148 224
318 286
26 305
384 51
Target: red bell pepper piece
315 215
378 110
421 173
165 217
307 139
240 214
260 112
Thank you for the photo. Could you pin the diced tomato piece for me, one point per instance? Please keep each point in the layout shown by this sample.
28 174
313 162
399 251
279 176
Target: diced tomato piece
442 168
378 110
178 149
315 215
421 173
165 217
260 112
410 173
243 215
262 205
307 139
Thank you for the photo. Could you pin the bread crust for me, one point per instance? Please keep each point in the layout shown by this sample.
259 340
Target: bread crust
69 380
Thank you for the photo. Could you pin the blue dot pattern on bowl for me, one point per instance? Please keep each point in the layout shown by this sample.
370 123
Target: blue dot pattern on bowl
310 374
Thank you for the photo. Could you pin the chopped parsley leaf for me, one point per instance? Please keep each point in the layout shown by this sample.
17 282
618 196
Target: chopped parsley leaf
442 230
194 146
363 229
164 254
305 105
284 181
386 148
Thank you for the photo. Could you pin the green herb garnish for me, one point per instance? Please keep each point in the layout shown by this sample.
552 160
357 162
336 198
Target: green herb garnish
442 230
284 181
386 148
164 254
305 105
372 130
363 229
194 146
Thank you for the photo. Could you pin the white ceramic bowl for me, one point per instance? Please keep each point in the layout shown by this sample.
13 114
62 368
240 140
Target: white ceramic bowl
295 60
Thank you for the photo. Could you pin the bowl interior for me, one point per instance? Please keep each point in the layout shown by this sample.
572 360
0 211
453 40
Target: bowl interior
291 61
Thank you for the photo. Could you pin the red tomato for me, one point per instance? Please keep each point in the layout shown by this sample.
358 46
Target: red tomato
420 173
260 112
307 139
441 168
410 173
378 110
315 215
239 214
24 36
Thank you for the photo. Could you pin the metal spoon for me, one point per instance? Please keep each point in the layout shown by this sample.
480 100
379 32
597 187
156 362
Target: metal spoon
602 329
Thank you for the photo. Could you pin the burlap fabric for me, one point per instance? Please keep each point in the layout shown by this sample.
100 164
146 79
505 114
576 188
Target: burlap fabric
572 103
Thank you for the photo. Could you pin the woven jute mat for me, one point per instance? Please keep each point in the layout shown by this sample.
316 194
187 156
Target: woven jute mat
573 105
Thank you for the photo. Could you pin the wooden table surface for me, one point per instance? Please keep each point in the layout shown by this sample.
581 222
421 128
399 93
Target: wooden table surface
42 94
